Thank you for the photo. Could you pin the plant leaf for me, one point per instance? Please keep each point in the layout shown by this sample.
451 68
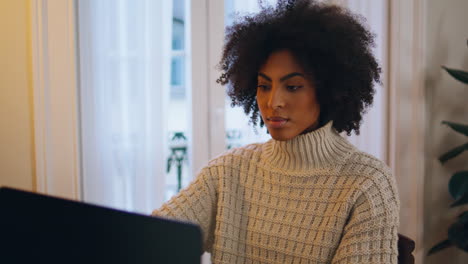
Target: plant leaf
453 153
458 235
458 184
460 128
461 201
439 246
460 75
464 217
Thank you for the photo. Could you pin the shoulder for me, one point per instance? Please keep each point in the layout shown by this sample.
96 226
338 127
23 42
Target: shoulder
367 166
230 164
236 156
364 161
374 178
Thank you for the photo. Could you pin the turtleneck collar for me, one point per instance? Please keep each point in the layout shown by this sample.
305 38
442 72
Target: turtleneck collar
320 148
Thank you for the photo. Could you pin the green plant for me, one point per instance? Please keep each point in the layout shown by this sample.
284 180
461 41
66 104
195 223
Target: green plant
458 184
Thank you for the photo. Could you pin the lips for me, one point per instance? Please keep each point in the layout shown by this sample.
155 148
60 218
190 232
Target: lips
276 121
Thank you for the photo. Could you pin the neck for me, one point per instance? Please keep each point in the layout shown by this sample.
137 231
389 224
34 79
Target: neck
311 128
320 148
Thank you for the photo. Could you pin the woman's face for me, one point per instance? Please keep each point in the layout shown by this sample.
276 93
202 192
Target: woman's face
286 98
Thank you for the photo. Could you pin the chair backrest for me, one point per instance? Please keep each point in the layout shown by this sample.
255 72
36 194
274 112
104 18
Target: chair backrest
405 250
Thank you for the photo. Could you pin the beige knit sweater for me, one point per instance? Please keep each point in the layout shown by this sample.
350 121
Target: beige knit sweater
312 199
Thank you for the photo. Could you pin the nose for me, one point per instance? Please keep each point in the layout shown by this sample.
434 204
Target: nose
276 97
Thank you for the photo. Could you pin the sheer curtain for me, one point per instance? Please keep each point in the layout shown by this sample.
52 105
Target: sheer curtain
373 136
125 57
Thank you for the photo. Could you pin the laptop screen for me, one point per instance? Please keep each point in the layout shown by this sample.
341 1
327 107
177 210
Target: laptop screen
43 229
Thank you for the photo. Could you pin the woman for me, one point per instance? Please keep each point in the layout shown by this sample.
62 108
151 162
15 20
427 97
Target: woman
307 195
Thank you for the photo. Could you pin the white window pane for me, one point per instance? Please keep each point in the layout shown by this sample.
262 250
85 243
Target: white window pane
178 26
178 77
177 166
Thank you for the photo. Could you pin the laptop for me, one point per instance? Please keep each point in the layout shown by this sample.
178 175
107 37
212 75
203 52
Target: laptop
42 229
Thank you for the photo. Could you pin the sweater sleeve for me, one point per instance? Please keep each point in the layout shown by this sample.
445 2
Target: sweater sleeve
371 233
197 204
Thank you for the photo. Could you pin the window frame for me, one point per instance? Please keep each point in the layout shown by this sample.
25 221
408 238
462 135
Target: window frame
207 96
56 127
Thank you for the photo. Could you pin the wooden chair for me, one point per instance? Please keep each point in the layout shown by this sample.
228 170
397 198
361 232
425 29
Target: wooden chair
405 250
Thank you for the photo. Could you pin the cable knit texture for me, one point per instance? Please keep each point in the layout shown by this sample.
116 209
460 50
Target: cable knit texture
312 199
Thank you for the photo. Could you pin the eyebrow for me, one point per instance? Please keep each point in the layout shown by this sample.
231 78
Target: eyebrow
282 79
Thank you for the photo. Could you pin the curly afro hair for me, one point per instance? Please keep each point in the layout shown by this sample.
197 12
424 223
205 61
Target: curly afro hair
332 45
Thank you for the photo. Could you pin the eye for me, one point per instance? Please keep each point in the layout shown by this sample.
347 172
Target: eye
263 87
293 88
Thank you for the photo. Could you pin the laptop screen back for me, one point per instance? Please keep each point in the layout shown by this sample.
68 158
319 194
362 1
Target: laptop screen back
42 229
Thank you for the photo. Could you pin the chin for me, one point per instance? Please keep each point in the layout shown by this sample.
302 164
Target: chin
281 136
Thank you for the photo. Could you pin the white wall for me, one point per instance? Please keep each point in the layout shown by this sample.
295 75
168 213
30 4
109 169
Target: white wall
16 108
447 99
